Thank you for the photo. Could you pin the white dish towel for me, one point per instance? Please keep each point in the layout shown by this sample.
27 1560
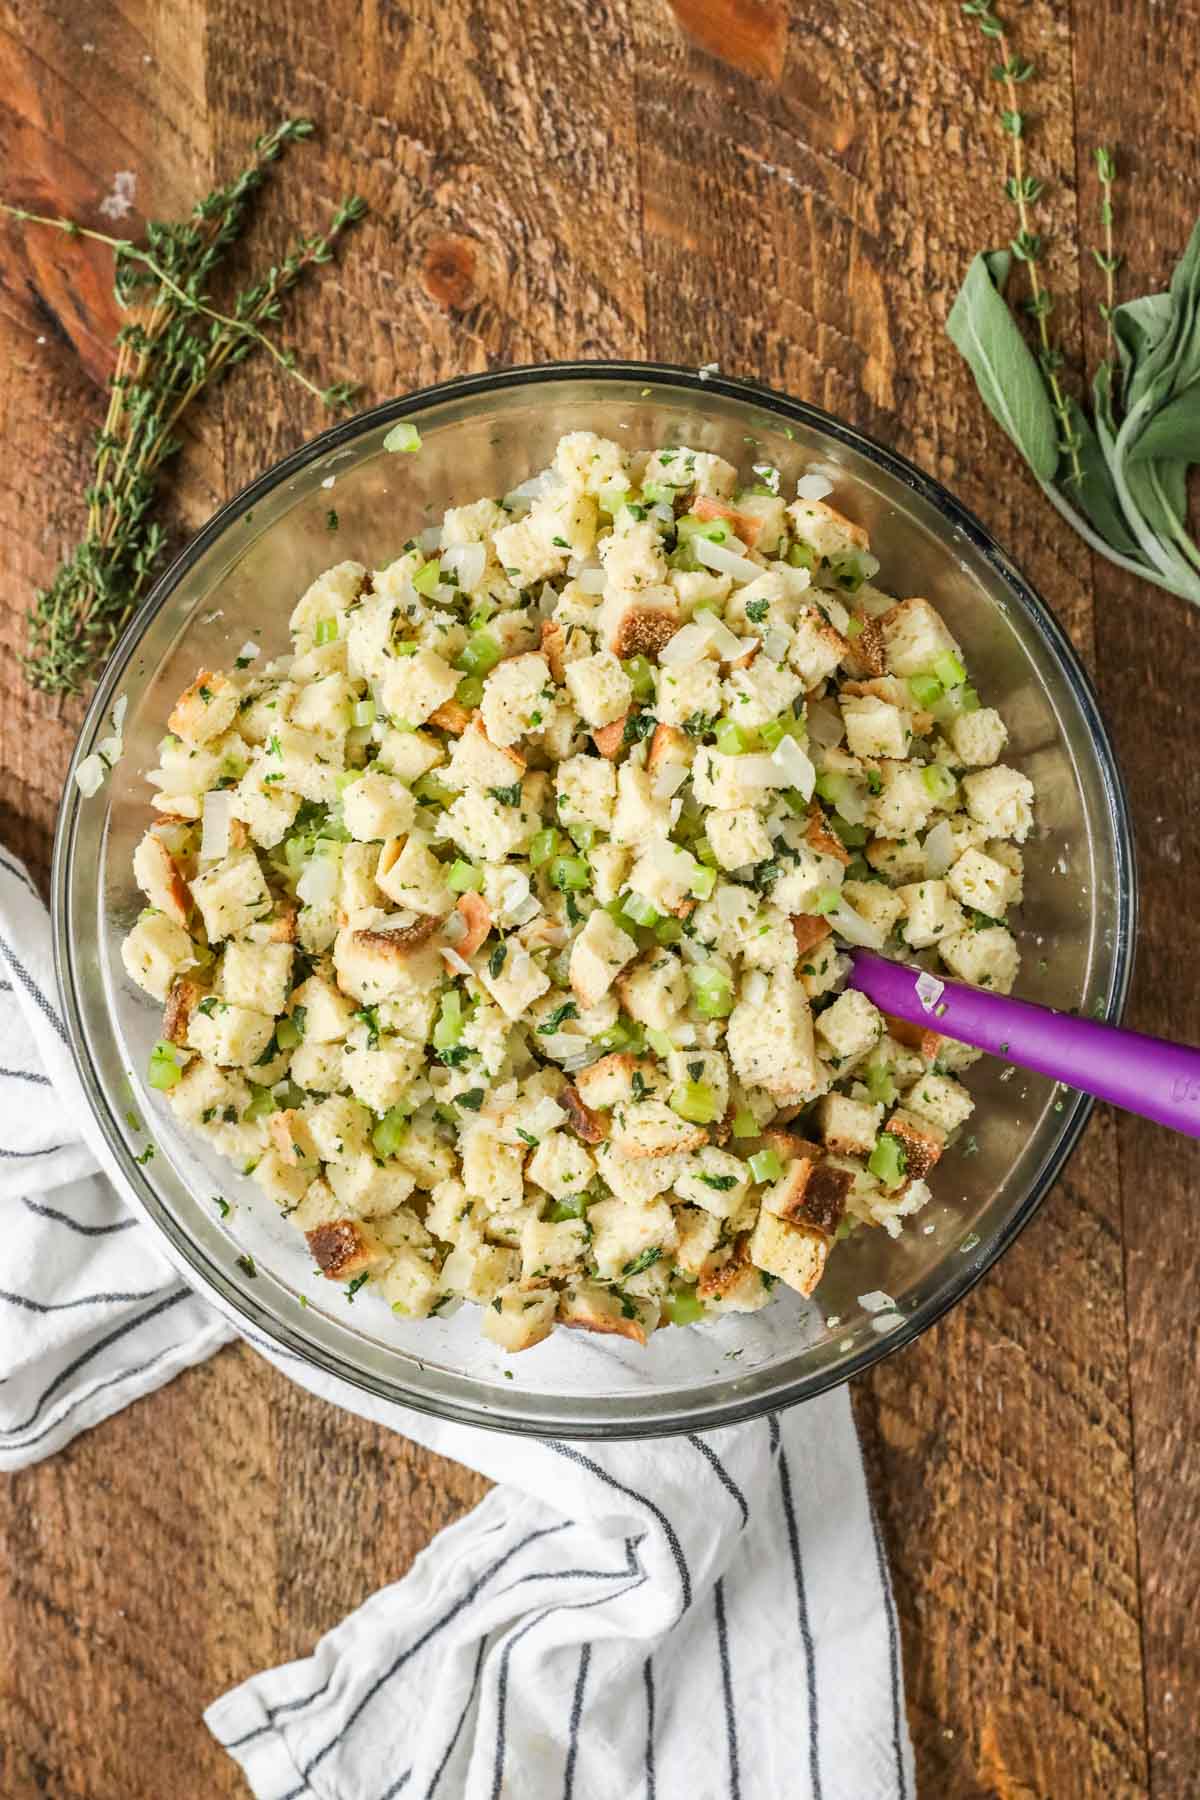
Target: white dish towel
706 1616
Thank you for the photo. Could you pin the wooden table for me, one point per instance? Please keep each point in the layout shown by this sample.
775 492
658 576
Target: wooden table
792 190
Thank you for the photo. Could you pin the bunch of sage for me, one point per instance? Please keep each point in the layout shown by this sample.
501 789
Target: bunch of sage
1119 476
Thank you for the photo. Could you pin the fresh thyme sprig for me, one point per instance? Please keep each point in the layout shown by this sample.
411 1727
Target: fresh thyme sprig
1106 259
174 346
1024 190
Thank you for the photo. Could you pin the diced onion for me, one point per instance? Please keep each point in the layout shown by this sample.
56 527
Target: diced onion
111 749
813 487
754 988
685 1035
455 928
248 651
318 883
547 600
724 560
795 765
727 644
689 644
512 892
660 510
89 776
468 562
854 928
735 905
535 486
939 850
776 643
119 711
458 963
676 810
761 771
214 838
929 990
522 915
825 725
876 1301
836 613
592 581
430 538
668 780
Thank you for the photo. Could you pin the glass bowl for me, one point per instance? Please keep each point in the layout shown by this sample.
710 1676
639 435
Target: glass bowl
481 435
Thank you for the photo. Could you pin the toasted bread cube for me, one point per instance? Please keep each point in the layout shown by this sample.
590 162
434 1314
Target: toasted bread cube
942 1099
478 763
158 876
699 1233
204 1093
637 1179
931 913
771 1043
414 687
155 952
851 1026
345 1248
875 902
410 1283
549 1251
811 1192
408 755
587 791
410 874
231 896
257 975
561 1165
232 1036
738 837
875 728
816 648
1001 800
921 1139
624 1231
519 982
715 1181
317 1067
828 531
611 1081
695 471
693 692
981 882
663 874
914 636
639 624
721 781
979 737
302 762
599 688
518 1318
377 806
987 958
375 965
903 804
472 524
849 1126
492 1171
205 709
655 990
640 814
729 1281
599 953
480 1271
589 1307
795 1254
381 1078
651 1128
633 558
527 554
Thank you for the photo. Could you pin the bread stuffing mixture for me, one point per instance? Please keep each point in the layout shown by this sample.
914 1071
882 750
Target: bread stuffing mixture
498 926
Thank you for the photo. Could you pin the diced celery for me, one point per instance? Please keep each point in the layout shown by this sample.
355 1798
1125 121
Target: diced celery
611 497
683 1308
659 1041
427 787
164 1070
656 493
449 1024
712 990
887 1160
939 783
570 874
262 1102
926 690
571 1206
469 691
730 741
288 1032
668 931
404 437
827 901
787 725
484 610
703 883
880 1085
408 648
641 675
624 1035
582 835
715 530
851 835
428 577
325 631
745 1125
390 1132
854 626
480 654
464 878
948 669
696 1101
640 910
802 556
346 778
364 713
970 699
543 847
703 851
795 801
765 1165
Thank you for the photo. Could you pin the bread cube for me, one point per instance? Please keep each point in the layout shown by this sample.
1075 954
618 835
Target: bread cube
851 1026
1001 800
598 954
609 864
760 693
981 882
738 837
257 975
828 531
476 762
875 902
205 1093
771 1043
931 913
941 1099
317 1066
587 791
377 806
561 1165
381 1077
366 1189
599 688
413 687
549 1251
979 737
693 692
716 1181
517 696
795 1254
651 1128
516 1319
639 813
205 709
328 597
816 648
624 1231
410 874
914 636
637 1179
848 1126
155 952
231 896
987 958
325 706
874 727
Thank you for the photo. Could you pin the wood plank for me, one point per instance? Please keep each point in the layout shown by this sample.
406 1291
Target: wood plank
840 202
1149 665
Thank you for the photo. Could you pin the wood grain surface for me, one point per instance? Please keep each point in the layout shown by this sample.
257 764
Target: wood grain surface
792 189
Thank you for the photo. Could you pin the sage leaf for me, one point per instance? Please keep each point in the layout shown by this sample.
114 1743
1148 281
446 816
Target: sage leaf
1006 372
1173 432
1096 493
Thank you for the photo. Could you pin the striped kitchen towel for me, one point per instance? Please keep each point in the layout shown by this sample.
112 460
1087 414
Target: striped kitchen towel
707 1616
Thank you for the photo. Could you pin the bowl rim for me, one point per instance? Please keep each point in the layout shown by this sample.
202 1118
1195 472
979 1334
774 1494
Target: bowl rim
215 1284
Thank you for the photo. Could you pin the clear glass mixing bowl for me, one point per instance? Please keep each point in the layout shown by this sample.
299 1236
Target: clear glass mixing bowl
481 435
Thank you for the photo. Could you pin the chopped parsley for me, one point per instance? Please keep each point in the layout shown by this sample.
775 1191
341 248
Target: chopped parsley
756 611
222 1205
145 1157
331 520
559 1017
722 1183
208 1006
644 1261
472 1099
638 725
697 723
640 1090
496 960
369 1016
527 1137
247 1266
507 796
353 1287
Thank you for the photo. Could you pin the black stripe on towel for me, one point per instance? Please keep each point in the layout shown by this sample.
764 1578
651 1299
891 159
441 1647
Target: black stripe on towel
585 1657
594 1468
173 1298
723 1476
31 988
735 1782
806 1637
889 1607
648 1679
62 1218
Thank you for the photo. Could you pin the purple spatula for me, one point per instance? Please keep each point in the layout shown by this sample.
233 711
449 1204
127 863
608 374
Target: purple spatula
1144 1075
